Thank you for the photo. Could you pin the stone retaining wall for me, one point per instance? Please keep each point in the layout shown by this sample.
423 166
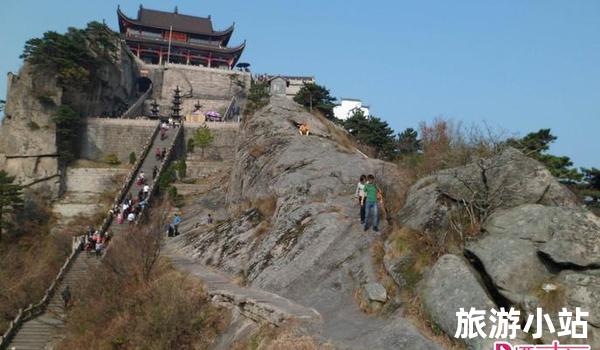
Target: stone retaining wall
224 142
103 136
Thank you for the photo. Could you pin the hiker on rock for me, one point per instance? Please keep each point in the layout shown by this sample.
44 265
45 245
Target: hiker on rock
370 202
163 153
360 195
155 169
157 153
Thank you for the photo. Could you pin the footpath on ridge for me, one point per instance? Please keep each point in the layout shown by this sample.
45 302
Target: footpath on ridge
256 304
42 331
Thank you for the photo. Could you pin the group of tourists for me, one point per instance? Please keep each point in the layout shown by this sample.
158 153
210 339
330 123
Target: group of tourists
166 125
131 207
95 241
370 197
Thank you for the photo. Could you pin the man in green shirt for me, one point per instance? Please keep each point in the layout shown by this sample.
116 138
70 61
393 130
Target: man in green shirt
372 211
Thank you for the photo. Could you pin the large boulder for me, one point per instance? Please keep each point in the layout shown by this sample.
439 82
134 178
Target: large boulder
451 285
506 180
528 253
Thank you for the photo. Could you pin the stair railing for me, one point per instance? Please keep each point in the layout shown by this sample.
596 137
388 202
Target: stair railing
136 109
34 310
163 165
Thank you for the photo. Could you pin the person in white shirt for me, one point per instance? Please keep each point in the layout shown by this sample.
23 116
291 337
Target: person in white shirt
131 218
360 195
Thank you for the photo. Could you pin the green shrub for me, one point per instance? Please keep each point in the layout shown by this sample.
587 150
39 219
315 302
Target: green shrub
132 158
45 99
68 124
181 168
258 96
190 145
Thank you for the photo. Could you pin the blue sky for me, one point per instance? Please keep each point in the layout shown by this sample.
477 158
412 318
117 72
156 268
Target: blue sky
518 65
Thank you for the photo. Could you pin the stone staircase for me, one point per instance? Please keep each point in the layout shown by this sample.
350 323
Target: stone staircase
44 330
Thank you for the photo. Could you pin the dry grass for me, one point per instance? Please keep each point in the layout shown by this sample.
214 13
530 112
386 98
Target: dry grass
552 300
262 229
163 308
421 253
285 337
30 258
266 206
344 142
415 312
447 144
27 267
86 163
257 150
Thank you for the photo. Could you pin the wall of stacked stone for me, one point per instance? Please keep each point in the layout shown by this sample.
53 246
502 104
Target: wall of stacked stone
104 136
224 142
199 80
188 105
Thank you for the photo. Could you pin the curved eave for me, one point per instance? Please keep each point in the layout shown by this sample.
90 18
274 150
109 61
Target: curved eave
223 35
123 18
237 51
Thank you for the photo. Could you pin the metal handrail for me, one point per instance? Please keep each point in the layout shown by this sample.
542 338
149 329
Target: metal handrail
34 310
229 112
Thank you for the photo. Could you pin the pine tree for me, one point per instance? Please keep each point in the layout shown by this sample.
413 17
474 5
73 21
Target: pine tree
316 97
372 132
11 199
408 142
536 144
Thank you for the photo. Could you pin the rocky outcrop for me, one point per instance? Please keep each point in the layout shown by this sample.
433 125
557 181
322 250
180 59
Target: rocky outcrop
536 247
304 242
28 135
504 181
452 284
540 256
28 139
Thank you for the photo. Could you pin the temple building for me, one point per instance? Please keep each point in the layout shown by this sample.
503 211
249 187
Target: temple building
159 37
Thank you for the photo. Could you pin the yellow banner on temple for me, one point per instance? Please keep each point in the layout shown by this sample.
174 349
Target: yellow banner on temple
195 118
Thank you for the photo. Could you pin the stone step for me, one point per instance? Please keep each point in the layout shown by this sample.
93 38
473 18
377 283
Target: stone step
37 333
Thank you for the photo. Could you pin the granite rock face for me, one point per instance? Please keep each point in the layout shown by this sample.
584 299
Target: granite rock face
536 247
305 241
451 285
28 139
505 181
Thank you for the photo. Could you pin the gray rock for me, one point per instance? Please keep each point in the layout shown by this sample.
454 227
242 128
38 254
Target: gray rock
450 285
511 179
28 134
578 289
311 249
375 292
